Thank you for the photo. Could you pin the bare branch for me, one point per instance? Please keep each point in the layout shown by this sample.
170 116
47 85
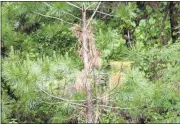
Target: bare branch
73 5
51 102
69 101
117 107
107 15
93 14
63 11
103 13
83 5
96 10
53 17
72 15
90 6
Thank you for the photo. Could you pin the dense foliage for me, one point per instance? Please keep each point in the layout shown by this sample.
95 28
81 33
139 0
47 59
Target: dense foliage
40 62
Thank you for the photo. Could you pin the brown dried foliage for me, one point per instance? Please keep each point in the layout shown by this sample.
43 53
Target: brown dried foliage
80 82
93 56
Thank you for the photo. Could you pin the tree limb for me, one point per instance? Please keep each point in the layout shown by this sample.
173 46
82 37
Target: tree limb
117 107
74 5
89 6
69 101
53 17
63 11
103 13
72 15
93 14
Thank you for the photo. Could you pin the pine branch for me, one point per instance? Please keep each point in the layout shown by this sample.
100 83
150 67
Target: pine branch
117 107
53 18
89 6
74 5
83 5
103 13
107 15
93 14
66 100
63 11
73 15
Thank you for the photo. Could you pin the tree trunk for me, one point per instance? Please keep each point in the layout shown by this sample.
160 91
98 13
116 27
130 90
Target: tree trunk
86 68
141 6
173 21
162 40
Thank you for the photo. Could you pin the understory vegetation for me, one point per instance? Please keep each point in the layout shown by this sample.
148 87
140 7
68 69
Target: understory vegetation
136 78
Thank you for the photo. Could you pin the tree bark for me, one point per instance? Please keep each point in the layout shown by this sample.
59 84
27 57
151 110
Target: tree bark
173 21
86 68
162 41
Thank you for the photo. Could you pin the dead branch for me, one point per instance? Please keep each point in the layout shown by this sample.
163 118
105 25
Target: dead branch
53 17
63 11
107 14
90 6
71 4
69 101
72 15
117 107
93 14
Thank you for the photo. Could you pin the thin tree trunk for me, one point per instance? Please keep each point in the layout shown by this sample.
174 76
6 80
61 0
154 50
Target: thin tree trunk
86 67
163 24
84 39
173 21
